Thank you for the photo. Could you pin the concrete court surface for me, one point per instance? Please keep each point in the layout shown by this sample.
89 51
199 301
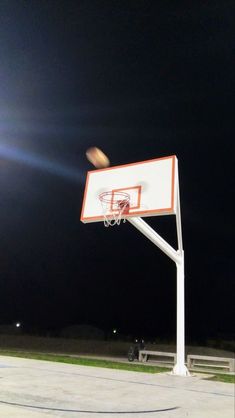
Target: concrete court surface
32 388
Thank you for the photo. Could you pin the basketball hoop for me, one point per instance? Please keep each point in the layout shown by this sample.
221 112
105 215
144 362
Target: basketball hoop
114 205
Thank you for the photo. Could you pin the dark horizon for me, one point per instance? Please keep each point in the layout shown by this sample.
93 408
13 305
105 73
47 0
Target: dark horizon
139 81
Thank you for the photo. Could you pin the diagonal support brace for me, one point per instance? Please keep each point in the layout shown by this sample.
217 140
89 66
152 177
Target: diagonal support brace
153 236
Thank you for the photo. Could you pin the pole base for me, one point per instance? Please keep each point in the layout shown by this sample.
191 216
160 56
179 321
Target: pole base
180 370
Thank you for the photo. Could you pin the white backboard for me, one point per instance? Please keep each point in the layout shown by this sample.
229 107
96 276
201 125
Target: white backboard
151 186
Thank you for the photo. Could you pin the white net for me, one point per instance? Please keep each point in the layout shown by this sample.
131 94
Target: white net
114 206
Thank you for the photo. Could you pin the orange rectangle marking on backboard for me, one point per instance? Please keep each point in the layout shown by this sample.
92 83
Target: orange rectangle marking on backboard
125 190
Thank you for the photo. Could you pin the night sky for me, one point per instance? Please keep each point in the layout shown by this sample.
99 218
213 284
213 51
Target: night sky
140 80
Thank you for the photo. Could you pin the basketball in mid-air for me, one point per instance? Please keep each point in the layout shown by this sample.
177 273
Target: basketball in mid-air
97 157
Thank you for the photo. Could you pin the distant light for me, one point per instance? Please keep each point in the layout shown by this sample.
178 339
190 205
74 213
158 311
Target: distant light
136 341
114 331
18 324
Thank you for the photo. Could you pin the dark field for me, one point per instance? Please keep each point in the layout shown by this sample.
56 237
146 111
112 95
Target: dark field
92 347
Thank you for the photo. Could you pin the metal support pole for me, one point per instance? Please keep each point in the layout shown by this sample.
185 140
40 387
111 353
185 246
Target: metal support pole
178 221
178 257
180 369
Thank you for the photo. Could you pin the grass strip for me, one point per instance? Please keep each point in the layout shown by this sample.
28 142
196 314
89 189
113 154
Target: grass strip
81 361
226 378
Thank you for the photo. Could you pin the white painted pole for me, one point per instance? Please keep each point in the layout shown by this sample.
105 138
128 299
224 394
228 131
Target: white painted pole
178 257
180 369
178 221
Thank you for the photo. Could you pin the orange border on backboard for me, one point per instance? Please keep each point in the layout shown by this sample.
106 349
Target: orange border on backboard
167 211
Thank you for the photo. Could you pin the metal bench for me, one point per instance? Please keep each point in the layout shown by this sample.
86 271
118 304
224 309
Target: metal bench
204 362
144 354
